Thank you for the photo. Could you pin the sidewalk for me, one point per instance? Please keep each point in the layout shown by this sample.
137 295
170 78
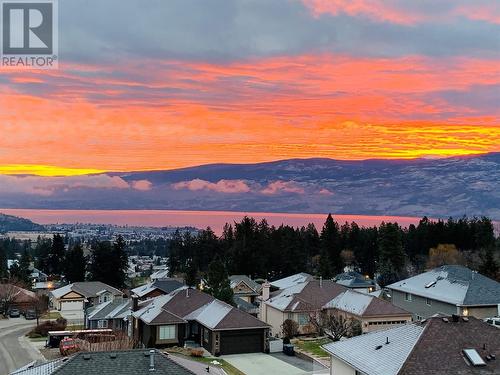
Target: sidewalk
196 367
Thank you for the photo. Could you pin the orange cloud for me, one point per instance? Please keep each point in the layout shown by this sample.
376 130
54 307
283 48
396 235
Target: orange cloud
184 113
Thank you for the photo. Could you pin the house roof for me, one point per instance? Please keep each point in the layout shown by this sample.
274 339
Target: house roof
244 305
165 285
46 368
160 274
235 280
183 305
16 293
361 352
435 353
120 363
362 304
118 308
306 296
88 289
353 280
291 280
422 348
453 284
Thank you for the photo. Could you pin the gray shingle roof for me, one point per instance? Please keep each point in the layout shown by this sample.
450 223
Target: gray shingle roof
86 288
452 284
354 280
234 280
110 310
124 363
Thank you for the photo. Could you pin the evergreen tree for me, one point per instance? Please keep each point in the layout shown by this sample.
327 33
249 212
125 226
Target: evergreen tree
489 266
218 282
75 264
109 263
56 256
191 274
331 261
3 262
391 254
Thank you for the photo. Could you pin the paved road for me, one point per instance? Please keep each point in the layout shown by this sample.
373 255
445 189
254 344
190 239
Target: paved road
15 351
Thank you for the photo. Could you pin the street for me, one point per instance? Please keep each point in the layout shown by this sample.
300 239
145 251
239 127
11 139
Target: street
15 350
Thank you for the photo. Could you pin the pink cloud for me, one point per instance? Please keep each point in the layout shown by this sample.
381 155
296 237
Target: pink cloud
222 186
277 187
142 185
325 192
46 186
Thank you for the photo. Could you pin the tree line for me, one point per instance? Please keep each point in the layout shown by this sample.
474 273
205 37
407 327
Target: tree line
387 251
105 261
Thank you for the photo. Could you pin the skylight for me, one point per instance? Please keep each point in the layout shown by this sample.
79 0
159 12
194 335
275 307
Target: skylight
474 357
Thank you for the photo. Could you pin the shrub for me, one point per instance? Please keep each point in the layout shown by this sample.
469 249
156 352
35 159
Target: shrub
290 328
196 353
286 341
44 328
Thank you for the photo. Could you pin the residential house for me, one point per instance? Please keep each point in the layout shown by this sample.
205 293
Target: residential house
299 302
114 314
38 276
44 287
125 362
189 316
72 300
355 280
13 296
448 290
289 281
373 313
159 275
246 293
157 288
438 346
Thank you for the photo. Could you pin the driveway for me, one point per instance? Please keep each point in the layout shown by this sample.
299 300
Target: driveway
15 351
265 364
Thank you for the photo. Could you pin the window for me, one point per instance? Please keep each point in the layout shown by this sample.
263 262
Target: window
408 297
167 332
205 335
428 302
303 319
102 324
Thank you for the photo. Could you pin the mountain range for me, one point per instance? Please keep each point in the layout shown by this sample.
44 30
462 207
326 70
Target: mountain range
434 187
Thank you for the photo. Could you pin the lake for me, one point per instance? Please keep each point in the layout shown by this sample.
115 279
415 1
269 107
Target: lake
198 219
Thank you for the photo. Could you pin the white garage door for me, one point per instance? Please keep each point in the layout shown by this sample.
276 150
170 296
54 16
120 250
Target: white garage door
72 306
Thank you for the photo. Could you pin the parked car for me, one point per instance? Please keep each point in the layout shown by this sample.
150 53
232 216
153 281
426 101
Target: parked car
68 346
14 313
493 321
30 314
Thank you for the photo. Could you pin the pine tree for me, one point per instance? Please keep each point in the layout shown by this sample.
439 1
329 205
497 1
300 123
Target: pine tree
489 266
218 282
109 263
56 256
331 261
392 259
75 264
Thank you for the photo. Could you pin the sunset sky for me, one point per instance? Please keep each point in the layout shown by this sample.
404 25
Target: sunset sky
161 84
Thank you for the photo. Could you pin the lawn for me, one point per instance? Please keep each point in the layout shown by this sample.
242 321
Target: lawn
229 369
313 346
51 315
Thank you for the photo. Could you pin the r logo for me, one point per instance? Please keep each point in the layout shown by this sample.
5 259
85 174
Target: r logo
28 28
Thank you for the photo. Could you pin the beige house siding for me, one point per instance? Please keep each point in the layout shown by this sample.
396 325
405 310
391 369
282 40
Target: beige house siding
339 367
275 319
377 322
480 312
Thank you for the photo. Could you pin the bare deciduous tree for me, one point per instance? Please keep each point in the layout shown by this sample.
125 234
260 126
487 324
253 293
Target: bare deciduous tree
334 326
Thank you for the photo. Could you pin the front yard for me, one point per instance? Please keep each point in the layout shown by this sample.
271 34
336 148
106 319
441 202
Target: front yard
312 347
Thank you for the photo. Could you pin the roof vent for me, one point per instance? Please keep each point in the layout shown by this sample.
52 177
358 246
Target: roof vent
86 357
493 356
465 319
432 283
474 357
387 341
378 347
455 317
445 320
152 360
112 355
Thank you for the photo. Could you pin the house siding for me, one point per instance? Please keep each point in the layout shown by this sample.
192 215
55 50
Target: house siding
418 306
340 368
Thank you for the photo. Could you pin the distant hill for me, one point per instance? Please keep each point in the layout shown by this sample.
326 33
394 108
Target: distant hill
13 223
435 187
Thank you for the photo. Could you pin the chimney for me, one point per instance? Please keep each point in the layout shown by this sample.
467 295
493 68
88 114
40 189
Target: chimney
151 360
187 292
321 281
266 290
135 303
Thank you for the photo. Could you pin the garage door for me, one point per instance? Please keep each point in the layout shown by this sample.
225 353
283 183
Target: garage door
71 306
237 342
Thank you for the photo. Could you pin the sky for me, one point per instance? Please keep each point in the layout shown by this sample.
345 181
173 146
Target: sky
169 84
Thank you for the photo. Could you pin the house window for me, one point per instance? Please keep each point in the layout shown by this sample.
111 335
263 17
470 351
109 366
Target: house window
205 335
408 297
102 324
428 302
303 319
167 332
